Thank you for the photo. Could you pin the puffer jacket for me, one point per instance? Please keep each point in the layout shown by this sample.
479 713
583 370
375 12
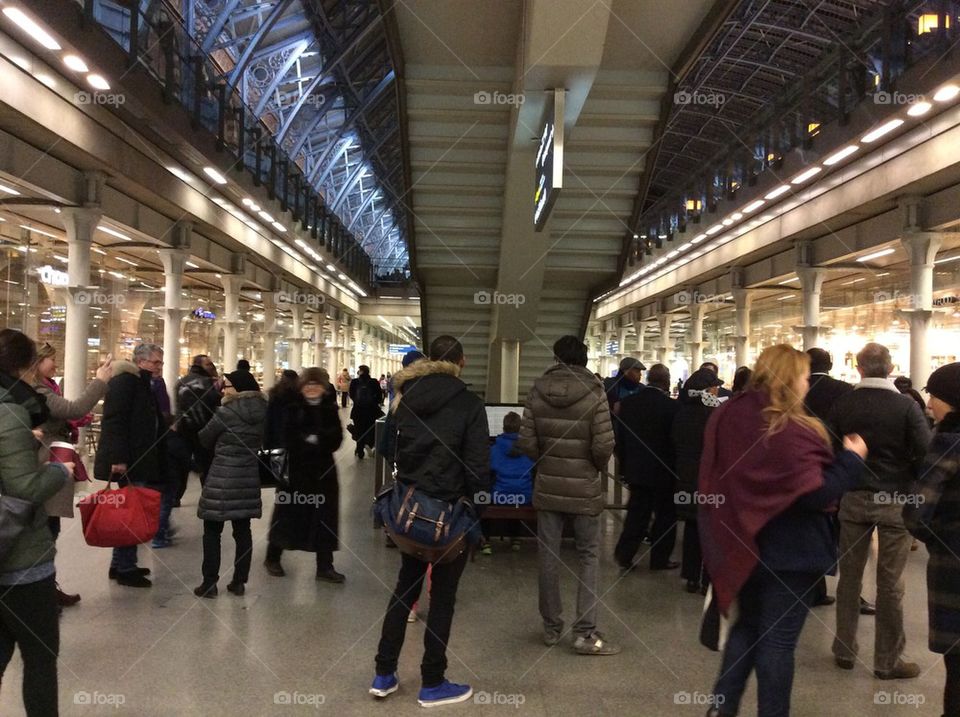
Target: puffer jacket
231 490
57 428
23 476
442 437
566 429
197 399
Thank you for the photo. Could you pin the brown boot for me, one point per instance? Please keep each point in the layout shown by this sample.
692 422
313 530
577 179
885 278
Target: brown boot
66 599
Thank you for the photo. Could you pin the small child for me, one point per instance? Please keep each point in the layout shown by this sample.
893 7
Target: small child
514 474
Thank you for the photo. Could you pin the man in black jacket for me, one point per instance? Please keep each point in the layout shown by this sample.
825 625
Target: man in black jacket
897 436
824 389
442 448
648 461
198 398
131 432
367 397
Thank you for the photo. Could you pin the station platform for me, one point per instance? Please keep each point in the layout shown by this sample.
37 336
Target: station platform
163 651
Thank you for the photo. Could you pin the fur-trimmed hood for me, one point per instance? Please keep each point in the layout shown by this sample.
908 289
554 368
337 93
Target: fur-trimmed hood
124 366
231 397
426 396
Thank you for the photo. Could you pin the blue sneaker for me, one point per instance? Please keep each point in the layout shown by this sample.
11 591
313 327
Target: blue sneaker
446 693
384 685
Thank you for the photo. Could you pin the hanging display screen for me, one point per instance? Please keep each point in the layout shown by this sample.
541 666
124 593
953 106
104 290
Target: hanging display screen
549 167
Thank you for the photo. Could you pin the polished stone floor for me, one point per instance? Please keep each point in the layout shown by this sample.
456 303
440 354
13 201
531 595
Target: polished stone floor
164 652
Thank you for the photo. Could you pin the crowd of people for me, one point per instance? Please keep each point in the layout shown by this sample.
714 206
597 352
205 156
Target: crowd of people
777 483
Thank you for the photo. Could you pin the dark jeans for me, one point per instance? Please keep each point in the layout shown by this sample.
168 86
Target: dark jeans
167 498
28 618
691 567
772 610
343 398
324 557
243 550
951 690
644 501
53 522
443 594
124 559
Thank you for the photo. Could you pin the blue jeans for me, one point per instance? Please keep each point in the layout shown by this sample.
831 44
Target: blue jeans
167 500
772 610
124 559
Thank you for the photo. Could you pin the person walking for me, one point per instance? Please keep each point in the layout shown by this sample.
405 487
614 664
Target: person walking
897 434
343 387
59 427
285 391
443 450
246 377
566 430
232 489
306 515
131 450
933 516
197 399
698 399
647 463
28 592
768 479
367 397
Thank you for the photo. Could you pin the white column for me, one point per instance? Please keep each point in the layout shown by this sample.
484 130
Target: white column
295 339
332 366
270 336
811 284
173 313
922 249
742 299
509 371
697 311
232 283
79 224
318 344
665 346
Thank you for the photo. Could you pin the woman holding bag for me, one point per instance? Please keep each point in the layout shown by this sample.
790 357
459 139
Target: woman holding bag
28 593
306 515
231 490
59 427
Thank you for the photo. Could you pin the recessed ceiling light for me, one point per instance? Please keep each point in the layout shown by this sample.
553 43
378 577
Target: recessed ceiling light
736 216
714 229
331 267
727 222
805 175
787 281
97 82
192 265
75 63
214 175
342 277
946 93
114 232
842 154
279 227
885 128
699 238
38 231
752 206
8 190
773 194
179 173
31 28
947 259
46 80
266 217
876 254
920 108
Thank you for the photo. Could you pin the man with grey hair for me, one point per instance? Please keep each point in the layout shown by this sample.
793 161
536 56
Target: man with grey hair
130 447
897 436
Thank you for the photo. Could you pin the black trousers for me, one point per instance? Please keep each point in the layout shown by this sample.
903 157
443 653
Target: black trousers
691 566
444 580
28 618
324 557
645 501
243 541
343 398
53 522
951 690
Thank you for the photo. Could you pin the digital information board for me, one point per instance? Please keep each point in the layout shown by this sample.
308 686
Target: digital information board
549 167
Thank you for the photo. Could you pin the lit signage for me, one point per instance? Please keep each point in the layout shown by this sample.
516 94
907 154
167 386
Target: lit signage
201 313
53 277
549 166
612 347
400 348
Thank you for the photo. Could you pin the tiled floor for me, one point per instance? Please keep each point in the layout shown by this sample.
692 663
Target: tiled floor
164 652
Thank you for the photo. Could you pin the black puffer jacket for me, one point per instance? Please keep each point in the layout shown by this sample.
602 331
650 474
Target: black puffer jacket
232 488
197 399
442 438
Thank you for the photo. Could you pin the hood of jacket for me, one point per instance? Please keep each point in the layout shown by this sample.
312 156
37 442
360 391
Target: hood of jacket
251 406
123 366
563 385
426 386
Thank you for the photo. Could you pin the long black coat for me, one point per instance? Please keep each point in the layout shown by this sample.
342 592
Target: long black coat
935 519
687 436
364 417
131 429
646 450
307 516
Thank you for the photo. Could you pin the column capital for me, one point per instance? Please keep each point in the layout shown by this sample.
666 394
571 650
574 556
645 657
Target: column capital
173 260
172 313
921 247
232 283
811 278
79 222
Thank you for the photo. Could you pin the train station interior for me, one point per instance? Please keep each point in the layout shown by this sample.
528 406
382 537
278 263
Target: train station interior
337 183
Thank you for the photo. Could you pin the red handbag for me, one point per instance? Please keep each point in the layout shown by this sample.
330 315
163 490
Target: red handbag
119 517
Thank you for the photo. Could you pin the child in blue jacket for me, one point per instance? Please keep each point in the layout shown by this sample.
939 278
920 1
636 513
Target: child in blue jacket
513 471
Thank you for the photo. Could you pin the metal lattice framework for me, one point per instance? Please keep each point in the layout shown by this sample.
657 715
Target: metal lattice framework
319 76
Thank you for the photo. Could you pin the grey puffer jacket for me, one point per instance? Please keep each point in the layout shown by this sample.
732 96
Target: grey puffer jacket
566 429
231 490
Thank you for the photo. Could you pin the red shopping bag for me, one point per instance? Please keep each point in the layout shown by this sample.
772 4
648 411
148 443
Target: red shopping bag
118 517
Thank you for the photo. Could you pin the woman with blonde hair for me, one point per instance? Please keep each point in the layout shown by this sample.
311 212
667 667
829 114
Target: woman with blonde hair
768 483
